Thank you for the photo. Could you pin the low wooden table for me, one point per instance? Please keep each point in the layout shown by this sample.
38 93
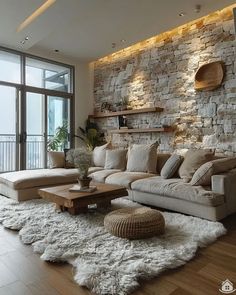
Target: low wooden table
77 202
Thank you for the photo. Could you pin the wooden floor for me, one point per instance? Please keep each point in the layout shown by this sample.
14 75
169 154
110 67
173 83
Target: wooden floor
24 273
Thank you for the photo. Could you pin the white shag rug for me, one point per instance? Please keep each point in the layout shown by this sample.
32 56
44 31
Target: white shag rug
104 263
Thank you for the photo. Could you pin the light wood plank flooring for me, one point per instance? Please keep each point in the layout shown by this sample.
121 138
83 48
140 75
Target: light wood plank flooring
23 273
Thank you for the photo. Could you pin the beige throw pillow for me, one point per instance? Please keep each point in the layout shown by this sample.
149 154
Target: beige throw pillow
115 159
142 158
99 154
171 166
56 159
203 175
192 161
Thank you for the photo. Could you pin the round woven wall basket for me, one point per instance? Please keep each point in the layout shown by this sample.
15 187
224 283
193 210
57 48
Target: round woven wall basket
135 223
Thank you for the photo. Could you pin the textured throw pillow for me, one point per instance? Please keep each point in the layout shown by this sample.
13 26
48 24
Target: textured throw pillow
161 160
99 154
171 166
203 175
192 161
142 158
115 159
56 159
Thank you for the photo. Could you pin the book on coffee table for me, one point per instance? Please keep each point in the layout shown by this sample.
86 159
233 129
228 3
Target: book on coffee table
78 188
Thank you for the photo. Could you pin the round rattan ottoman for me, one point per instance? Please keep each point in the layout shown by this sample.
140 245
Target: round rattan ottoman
135 223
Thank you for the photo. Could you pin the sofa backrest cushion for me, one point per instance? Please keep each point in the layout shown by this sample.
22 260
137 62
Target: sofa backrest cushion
99 154
203 174
116 159
56 159
171 166
192 161
142 158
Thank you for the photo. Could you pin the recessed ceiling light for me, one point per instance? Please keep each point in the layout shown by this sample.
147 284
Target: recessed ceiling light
35 14
181 14
27 38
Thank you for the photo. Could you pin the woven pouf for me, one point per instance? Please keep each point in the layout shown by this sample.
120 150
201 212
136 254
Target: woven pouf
135 223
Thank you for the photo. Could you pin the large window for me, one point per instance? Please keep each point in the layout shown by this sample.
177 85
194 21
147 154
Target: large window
10 67
47 75
36 97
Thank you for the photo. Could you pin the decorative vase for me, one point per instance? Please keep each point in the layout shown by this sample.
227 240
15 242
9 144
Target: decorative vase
84 182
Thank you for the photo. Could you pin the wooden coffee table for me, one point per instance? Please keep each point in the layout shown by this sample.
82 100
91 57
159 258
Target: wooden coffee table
77 202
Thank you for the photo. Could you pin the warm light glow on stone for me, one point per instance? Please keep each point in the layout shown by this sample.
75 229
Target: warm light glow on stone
220 15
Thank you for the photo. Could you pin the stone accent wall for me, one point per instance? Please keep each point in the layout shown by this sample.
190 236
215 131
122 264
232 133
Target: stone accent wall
160 72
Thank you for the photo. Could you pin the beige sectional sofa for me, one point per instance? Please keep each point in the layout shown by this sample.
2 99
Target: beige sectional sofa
212 202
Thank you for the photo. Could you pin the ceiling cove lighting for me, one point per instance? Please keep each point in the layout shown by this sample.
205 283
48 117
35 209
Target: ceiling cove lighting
135 49
35 14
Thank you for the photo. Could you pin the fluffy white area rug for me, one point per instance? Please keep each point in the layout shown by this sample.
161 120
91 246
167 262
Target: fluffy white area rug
104 263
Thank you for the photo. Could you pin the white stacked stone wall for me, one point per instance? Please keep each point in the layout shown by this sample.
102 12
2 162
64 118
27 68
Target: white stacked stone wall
160 72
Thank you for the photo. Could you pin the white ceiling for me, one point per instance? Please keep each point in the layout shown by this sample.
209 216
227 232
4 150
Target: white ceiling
86 29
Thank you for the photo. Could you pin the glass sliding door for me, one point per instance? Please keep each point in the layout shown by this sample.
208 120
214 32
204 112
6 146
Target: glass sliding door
8 128
35 131
44 116
58 114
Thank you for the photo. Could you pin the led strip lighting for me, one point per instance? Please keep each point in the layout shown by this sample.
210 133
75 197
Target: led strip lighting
35 14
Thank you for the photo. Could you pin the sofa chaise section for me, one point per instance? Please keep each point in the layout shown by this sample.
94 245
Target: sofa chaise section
23 185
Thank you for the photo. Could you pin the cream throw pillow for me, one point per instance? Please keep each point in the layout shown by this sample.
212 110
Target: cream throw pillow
203 174
115 159
99 154
56 159
171 166
142 158
192 161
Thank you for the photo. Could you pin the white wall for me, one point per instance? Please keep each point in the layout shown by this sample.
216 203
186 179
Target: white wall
83 84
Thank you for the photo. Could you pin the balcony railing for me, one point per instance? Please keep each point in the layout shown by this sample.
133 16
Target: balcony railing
8 152
35 151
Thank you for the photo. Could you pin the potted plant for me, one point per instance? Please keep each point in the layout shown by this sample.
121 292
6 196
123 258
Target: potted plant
59 140
82 159
90 135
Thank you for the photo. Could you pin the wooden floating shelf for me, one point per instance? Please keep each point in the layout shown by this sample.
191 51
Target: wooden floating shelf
147 130
126 112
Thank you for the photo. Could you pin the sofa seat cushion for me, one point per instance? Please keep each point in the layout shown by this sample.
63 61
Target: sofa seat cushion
126 178
94 169
100 176
39 177
178 189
